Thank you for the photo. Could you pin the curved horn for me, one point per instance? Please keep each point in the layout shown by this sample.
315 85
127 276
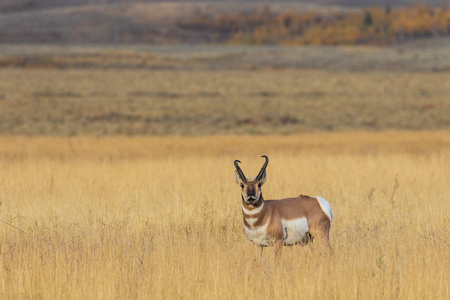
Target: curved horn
238 169
263 169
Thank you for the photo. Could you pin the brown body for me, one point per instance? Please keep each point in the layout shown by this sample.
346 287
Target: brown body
281 222
274 212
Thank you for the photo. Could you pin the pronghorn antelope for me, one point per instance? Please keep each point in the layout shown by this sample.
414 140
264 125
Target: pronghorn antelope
287 221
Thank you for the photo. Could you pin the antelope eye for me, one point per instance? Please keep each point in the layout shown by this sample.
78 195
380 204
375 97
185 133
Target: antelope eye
242 186
259 185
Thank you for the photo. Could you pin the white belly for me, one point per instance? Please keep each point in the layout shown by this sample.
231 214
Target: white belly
295 231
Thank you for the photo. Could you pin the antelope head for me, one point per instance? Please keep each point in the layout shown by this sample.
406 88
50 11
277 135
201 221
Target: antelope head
251 187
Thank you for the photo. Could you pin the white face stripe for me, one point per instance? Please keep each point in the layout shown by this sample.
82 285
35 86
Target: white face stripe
253 211
259 195
326 207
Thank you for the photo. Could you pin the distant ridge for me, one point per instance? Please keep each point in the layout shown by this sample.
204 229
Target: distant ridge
139 21
23 5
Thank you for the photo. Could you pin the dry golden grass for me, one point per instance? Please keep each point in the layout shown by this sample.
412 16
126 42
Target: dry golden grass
139 218
142 102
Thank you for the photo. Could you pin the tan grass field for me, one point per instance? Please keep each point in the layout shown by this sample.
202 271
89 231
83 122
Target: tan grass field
160 218
157 102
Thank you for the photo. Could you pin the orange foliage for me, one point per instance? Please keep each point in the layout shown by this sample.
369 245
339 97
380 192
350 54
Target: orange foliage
376 25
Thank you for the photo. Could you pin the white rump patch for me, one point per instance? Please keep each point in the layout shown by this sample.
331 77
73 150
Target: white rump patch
295 230
326 207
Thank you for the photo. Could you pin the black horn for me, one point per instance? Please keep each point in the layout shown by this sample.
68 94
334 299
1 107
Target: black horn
238 169
263 169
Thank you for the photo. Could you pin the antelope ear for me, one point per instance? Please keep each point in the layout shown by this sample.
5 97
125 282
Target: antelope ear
237 178
263 178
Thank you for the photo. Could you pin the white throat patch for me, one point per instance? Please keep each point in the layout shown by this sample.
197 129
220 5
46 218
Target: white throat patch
253 211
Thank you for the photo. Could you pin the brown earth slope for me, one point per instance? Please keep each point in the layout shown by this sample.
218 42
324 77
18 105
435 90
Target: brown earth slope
119 21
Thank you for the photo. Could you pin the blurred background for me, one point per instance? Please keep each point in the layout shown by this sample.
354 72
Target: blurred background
137 67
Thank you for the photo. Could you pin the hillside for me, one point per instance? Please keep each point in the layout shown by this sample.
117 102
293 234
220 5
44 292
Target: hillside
117 22
23 5
150 22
